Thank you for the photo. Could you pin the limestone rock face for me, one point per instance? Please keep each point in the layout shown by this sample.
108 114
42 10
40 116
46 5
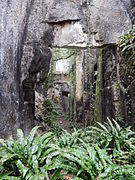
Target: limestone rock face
70 35
109 75
132 98
24 60
69 22
25 54
36 59
13 22
109 19
133 10
63 10
97 22
28 30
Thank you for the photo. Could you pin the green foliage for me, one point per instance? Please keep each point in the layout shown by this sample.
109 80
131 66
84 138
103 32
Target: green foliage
119 172
22 157
112 136
50 113
127 63
104 152
127 41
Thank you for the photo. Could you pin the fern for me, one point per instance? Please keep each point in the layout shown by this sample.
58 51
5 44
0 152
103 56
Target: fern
103 152
22 157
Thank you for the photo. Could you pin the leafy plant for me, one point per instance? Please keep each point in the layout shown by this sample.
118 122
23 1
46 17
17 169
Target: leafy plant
22 157
51 115
127 62
104 152
116 172
112 136
82 161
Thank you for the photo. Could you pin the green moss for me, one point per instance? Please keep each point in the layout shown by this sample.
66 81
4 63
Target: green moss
72 99
70 54
51 115
61 53
118 105
58 53
99 89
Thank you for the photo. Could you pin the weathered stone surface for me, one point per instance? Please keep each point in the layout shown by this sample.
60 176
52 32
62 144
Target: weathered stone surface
109 66
39 100
36 59
25 48
109 19
69 23
70 35
13 22
63 11
133 11
79 85
132 96
38 66
24 60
